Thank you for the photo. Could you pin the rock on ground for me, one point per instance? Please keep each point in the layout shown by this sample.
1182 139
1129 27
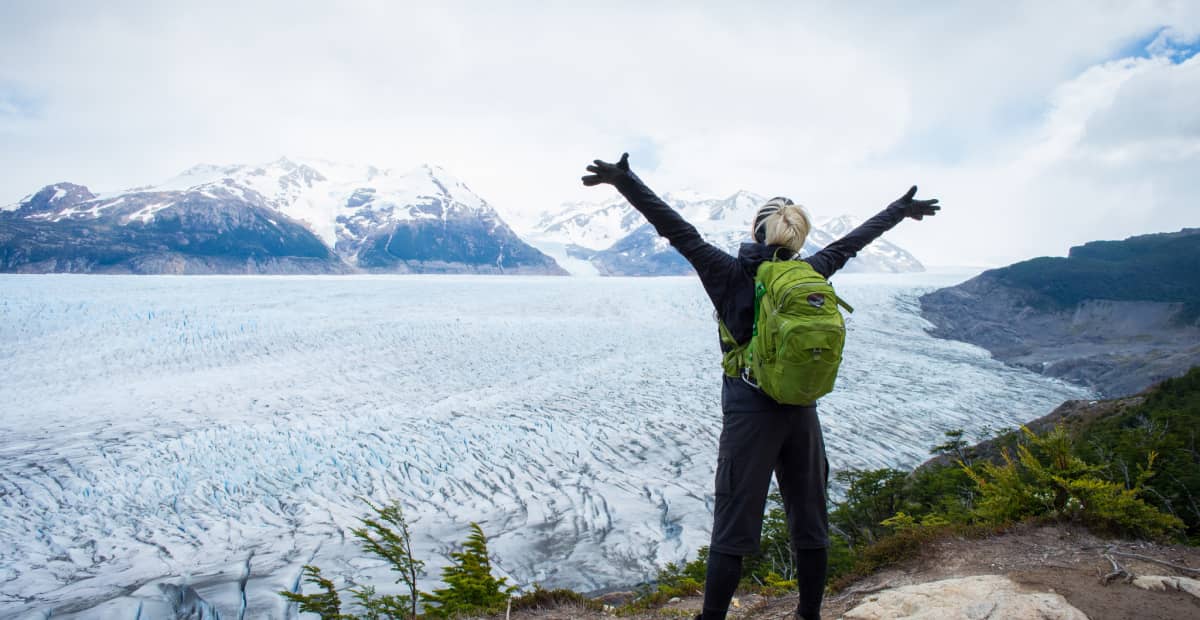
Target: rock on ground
1163 583
966 598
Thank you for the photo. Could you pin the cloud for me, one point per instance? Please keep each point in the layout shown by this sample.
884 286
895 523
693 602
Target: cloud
1002 110
1112 157
1175 43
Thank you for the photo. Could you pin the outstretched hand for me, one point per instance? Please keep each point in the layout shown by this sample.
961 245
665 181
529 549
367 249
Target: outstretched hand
604 172
916 209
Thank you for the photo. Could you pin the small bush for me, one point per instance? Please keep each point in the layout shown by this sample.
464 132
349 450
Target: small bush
470 586
871 497
552 599
325 603
385 535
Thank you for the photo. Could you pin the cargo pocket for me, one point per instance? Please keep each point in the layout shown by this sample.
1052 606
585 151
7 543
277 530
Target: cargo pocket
724 482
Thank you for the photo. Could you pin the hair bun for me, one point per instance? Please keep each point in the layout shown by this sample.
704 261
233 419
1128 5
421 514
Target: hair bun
788 226
759 230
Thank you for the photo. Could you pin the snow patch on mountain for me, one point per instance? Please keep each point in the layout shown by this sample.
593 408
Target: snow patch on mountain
622 243
419 220
146 213
589 225
316 197
319 193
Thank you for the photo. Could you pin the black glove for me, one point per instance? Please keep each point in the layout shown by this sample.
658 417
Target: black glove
604 172
916 209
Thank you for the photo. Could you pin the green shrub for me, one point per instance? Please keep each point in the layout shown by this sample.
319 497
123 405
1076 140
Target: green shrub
672 580
538 598
325 603
1048 479
945 491
385 535
1166 423
776 585
871 497
470 586
841 556
382 606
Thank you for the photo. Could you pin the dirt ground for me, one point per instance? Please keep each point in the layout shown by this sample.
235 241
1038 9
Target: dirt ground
1060 559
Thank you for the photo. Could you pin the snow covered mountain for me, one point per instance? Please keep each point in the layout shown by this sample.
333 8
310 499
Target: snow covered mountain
279 217
612 238
66 228
882 256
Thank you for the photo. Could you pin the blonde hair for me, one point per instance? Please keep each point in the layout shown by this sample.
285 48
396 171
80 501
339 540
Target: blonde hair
788 227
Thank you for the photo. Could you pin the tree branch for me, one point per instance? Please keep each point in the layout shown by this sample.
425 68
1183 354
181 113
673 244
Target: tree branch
1117 571
1147 558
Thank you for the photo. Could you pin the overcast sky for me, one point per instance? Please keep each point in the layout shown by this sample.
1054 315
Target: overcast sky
1039 125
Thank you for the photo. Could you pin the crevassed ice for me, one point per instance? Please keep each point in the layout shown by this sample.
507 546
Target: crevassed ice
160 431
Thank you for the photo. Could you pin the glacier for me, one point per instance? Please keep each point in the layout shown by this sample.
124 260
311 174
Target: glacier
194 441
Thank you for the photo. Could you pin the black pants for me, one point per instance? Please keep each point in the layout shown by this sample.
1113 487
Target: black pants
755 442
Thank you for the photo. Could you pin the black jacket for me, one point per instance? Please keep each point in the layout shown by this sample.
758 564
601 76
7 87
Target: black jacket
729 281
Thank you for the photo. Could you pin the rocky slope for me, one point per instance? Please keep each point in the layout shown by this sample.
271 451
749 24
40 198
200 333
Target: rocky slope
280 217
612 238
1115 316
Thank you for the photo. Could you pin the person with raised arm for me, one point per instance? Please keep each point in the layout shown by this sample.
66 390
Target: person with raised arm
759 434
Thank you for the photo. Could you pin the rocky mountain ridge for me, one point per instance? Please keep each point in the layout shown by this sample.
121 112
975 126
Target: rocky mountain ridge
280 217
1115 316
611 238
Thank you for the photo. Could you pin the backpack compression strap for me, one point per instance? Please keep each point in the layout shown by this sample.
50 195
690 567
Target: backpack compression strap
733 360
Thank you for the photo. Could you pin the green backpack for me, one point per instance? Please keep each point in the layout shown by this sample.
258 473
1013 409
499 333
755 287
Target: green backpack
796 346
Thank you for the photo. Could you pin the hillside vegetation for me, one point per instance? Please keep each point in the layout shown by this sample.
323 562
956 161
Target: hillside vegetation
1160 267
1114 316
1133 471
